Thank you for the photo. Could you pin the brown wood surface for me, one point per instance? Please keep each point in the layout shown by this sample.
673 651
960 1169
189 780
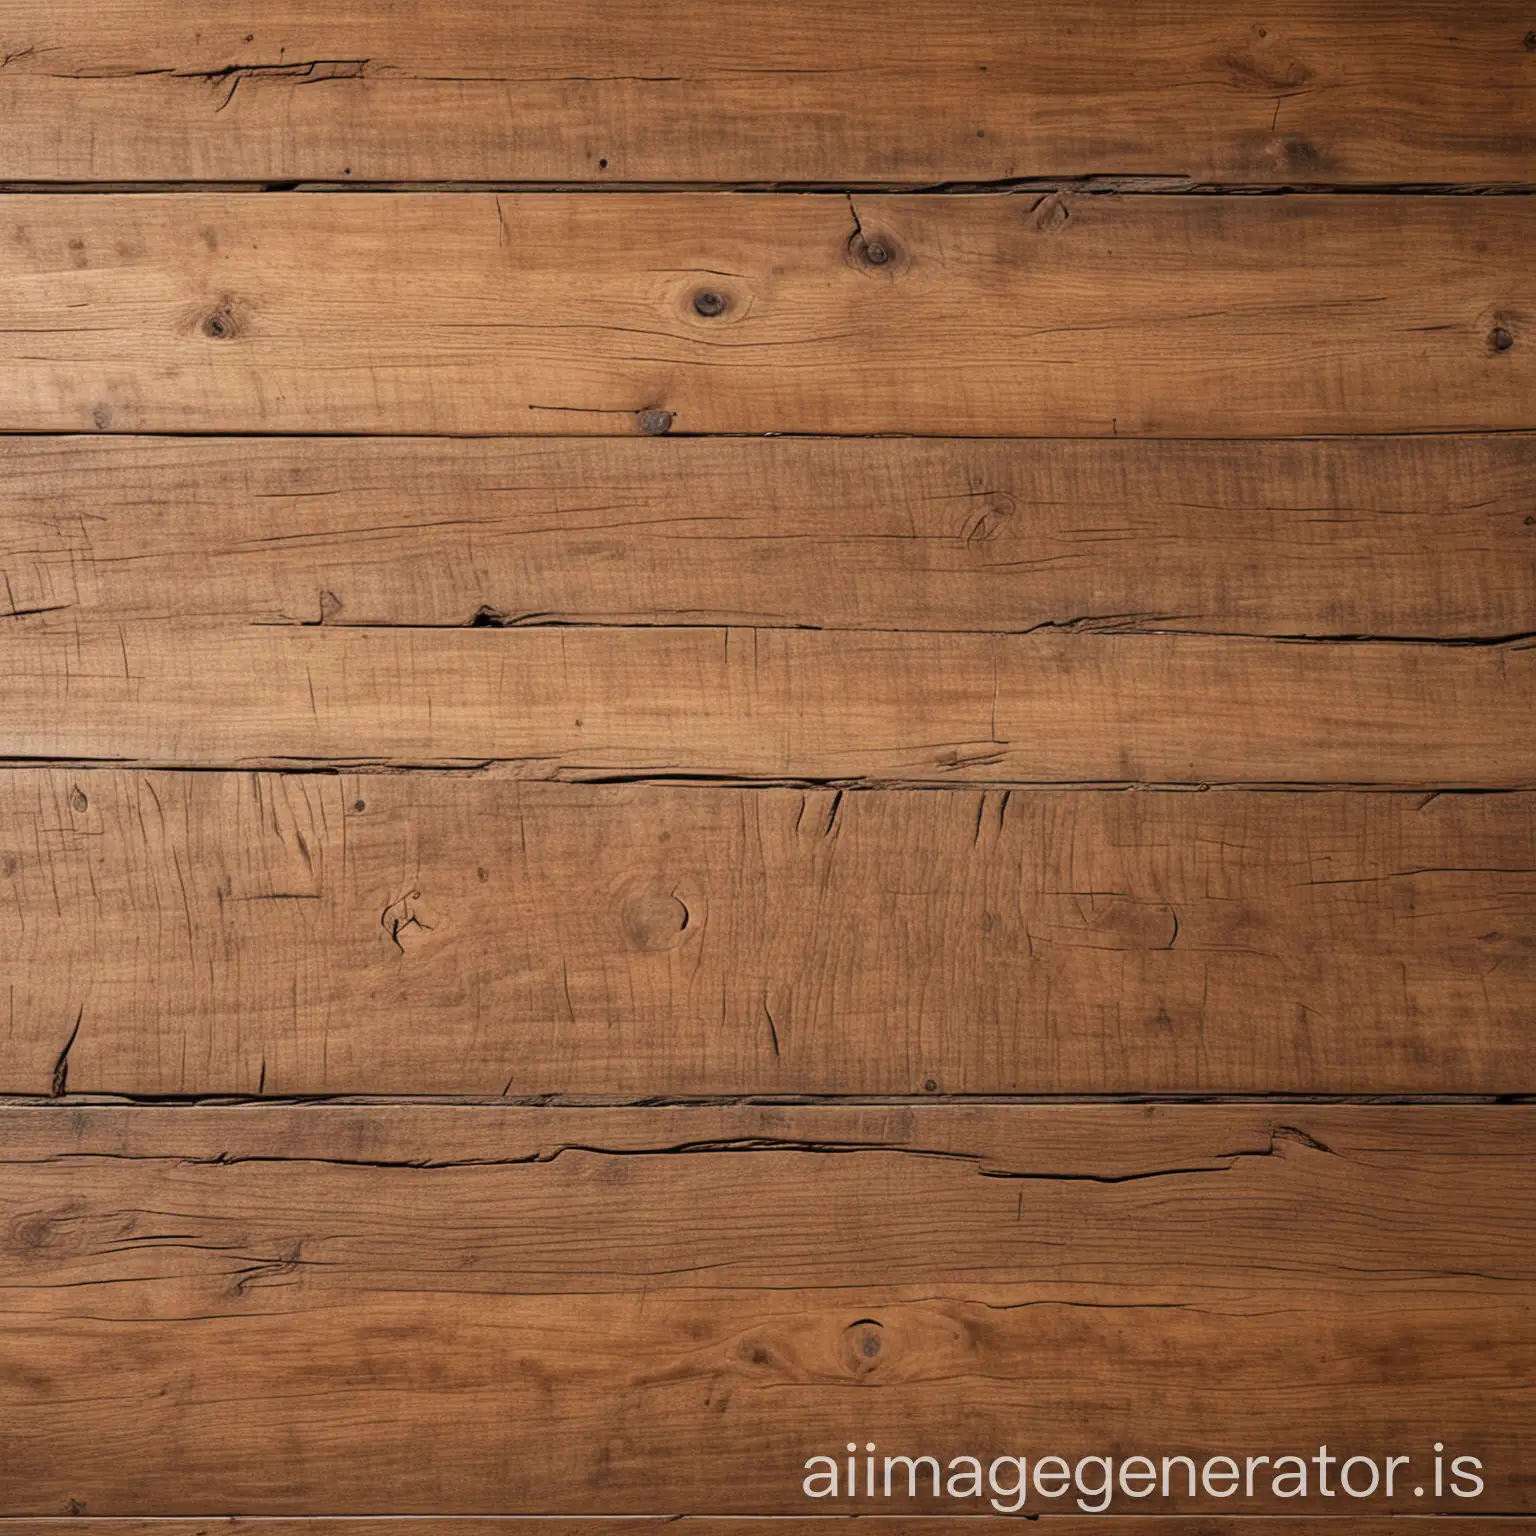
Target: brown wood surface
1425 537
1304 91
734 727
842 707
458 1310
304 934
783 1525
542 313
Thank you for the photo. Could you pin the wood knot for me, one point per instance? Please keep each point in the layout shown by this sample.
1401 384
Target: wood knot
872 253
988 521
655 422
861 1346
710 303
30 1234
220 323
1264 69
655 920
1500 339
1050 214
60 1232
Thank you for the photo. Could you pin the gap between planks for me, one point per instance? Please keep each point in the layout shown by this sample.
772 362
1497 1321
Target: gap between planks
1090 186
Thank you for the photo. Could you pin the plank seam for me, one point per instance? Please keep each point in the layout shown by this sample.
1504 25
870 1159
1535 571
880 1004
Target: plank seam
1094 186
1279 1099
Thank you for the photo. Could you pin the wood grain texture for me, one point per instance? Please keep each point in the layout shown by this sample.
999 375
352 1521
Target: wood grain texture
772 704
534 313
783 1525
297 934
1421 536
349 1310
703 90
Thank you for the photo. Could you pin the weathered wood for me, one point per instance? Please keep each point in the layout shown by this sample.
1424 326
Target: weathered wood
782 1525
1011 316
283 1311
295 934
841 707
797 91
1418 536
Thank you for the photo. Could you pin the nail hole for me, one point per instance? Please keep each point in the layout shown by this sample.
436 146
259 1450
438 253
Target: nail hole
359 805
929 1086
1500 339
655 422
708 303
877 254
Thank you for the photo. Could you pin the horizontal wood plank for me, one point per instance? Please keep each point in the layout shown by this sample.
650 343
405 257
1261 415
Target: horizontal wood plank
344 1310
783 1525
987 316
1419 536
774 704
311 934
709 91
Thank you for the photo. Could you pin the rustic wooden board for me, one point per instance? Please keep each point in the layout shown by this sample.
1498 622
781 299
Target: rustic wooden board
1427 537
775 704
797 91
304 934
1010 316
783 1525
282 1311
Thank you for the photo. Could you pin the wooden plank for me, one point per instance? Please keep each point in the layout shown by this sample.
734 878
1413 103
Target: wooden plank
1412 536
297 934
784 1525
772 704
283 1311
863 92
991 316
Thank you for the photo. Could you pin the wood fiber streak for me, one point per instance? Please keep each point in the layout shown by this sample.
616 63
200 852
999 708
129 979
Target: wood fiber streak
1424 537
290 934
729 90
669 1310
546 313
598 702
